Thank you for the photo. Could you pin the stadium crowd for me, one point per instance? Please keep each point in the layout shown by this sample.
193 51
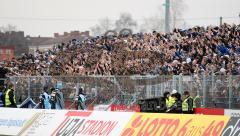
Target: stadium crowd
212 49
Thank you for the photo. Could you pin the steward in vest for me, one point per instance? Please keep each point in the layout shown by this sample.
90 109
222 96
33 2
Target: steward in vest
197 102
165 97
10 99
187 104
171 102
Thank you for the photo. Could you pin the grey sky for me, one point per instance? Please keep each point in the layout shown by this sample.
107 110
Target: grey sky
44 17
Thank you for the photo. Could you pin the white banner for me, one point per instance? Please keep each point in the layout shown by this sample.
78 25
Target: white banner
13 120
61 122
232 113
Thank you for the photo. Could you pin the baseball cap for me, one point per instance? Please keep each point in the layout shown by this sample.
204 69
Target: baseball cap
174 91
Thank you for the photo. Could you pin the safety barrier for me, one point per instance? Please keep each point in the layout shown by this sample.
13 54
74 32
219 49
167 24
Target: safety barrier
66 122
214 91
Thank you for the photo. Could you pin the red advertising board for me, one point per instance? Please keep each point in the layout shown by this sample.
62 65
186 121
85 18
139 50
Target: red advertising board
121 107
209 111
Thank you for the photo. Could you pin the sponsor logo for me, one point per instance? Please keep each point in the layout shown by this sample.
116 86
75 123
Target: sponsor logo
152 105
125 108
232 113
170 125
12 122
77 123
232 128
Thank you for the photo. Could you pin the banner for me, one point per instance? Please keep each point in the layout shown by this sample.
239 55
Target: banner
92 123
150 124
44 124
23 122
209 111
12 121
62 123
232 113
102 108
232 128
122 107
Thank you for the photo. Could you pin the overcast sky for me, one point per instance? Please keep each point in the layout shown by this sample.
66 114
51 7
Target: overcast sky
44 17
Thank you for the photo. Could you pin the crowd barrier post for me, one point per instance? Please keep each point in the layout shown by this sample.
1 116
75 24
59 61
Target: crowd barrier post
212 85
204 90
180 82
29 86
230 83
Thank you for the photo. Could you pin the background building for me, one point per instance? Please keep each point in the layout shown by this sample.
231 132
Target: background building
6 52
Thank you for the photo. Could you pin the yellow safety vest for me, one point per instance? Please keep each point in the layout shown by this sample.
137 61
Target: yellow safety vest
170 101
185 104
194 101
7 100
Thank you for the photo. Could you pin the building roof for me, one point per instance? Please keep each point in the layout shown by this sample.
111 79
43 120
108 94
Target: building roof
36 41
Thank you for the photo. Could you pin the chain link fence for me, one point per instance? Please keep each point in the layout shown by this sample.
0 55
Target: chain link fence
216 91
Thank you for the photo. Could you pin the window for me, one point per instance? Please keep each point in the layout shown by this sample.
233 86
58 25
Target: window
8 51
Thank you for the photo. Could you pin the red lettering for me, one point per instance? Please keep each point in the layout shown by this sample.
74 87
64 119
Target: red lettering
135 124
128 132
96 129
109 127
92 127
218 129
84 126
142 128
183 130
161 123
169 121
172 128
88 129
151 127
194 131
208 131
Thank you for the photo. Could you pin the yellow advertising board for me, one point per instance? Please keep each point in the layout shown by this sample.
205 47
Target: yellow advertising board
150 124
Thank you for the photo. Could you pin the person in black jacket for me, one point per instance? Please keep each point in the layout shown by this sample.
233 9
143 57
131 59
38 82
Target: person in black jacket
3 73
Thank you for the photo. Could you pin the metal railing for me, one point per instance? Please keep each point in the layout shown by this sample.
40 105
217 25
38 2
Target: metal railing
216 91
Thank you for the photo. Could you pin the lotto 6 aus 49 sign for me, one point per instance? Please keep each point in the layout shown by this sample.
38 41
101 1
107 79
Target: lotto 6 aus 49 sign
175 125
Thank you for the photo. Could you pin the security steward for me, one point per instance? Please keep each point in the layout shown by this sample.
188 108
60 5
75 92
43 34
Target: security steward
197 101
166 99
10 99
170 102
187 104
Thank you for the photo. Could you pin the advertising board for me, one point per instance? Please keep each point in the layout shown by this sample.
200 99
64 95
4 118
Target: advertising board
92 123
232 128
12 121
232 113
146 124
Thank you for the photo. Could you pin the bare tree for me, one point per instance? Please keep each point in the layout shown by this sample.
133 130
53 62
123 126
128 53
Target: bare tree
178 7
104 25
154 23
8 28
125 21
